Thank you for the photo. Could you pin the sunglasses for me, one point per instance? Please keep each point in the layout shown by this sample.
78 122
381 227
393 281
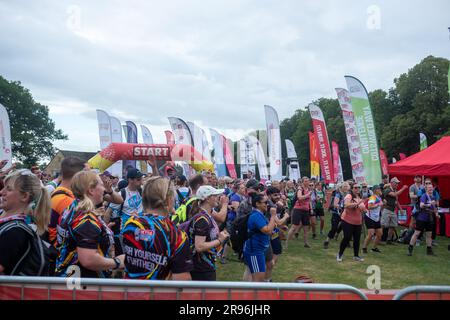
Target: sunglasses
356 187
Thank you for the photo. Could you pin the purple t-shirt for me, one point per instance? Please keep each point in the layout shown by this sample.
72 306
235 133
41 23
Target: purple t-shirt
424 213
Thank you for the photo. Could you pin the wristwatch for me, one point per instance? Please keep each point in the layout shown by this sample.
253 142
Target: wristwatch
117 261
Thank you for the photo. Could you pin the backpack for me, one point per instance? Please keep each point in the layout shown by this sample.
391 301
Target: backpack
185 211
182 198
36 260
244 208
239 233
188 227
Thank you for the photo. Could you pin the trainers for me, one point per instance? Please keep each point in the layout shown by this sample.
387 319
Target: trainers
307 245
321 233
430 252
364 250
296 235
375 250
390 243
434 243
338 258
359 259
418 243
314 236
325 245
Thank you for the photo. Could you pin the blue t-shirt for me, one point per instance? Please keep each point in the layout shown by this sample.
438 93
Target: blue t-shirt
258 242
232 214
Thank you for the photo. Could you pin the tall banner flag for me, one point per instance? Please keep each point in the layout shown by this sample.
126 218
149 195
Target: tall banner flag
260 158
313 156
336 162
423 141
181 131
206 152
229 158
219 158
146 135
384 162
5 137
321 135
182 135
170 139
131 138
402 156
125 131
274 141
366 130
293 165
197 136
340 177
116 135
354 147
243 157
104 128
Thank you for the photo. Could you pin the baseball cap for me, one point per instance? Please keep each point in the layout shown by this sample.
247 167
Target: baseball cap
205 191
395 180
106 173
252 184
134 174
376 187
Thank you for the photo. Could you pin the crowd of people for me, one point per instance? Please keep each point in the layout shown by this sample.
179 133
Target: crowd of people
167 226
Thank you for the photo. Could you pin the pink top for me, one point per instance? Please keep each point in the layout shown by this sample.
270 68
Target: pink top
306 203
352 215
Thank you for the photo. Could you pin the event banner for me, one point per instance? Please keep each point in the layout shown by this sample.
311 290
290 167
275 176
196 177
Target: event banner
323 144
337 168
146 135
206 152
260 158
181 131
5 137
274 142
313 156
197 136
423 141
116 136
132 137
246 156
354 147
366 130
384 162
293 165
229 158
104 128
219 158
170 139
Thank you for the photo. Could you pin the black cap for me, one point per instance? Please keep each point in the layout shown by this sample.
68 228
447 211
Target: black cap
252 184
134 174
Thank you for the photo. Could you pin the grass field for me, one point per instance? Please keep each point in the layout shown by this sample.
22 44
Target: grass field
397 269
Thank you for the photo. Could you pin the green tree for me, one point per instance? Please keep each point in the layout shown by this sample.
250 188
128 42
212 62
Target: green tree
32 130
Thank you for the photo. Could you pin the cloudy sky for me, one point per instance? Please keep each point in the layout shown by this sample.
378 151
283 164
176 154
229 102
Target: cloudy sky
215 63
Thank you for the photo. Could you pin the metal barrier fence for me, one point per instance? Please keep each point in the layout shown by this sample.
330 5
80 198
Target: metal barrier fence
424 293
50 288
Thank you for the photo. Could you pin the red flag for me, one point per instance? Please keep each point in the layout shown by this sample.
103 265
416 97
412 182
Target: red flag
384 162
335 151
229 159
169 137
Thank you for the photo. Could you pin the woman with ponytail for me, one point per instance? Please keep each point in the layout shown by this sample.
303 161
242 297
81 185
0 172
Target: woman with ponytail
23 202
155 249
85 243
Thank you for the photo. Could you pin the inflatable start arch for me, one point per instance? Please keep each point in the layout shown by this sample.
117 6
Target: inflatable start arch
165 152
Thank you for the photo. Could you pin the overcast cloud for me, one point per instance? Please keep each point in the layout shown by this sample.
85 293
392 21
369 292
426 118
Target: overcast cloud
215 63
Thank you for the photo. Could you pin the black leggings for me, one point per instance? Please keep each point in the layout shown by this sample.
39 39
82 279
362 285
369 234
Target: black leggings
350 231
335 225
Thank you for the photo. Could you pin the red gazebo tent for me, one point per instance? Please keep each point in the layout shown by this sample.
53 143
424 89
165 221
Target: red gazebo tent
432 162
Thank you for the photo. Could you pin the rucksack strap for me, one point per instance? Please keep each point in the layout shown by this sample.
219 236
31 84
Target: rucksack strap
59 192
123 193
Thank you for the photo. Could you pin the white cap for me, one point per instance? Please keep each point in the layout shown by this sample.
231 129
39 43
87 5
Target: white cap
205 191
268 183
